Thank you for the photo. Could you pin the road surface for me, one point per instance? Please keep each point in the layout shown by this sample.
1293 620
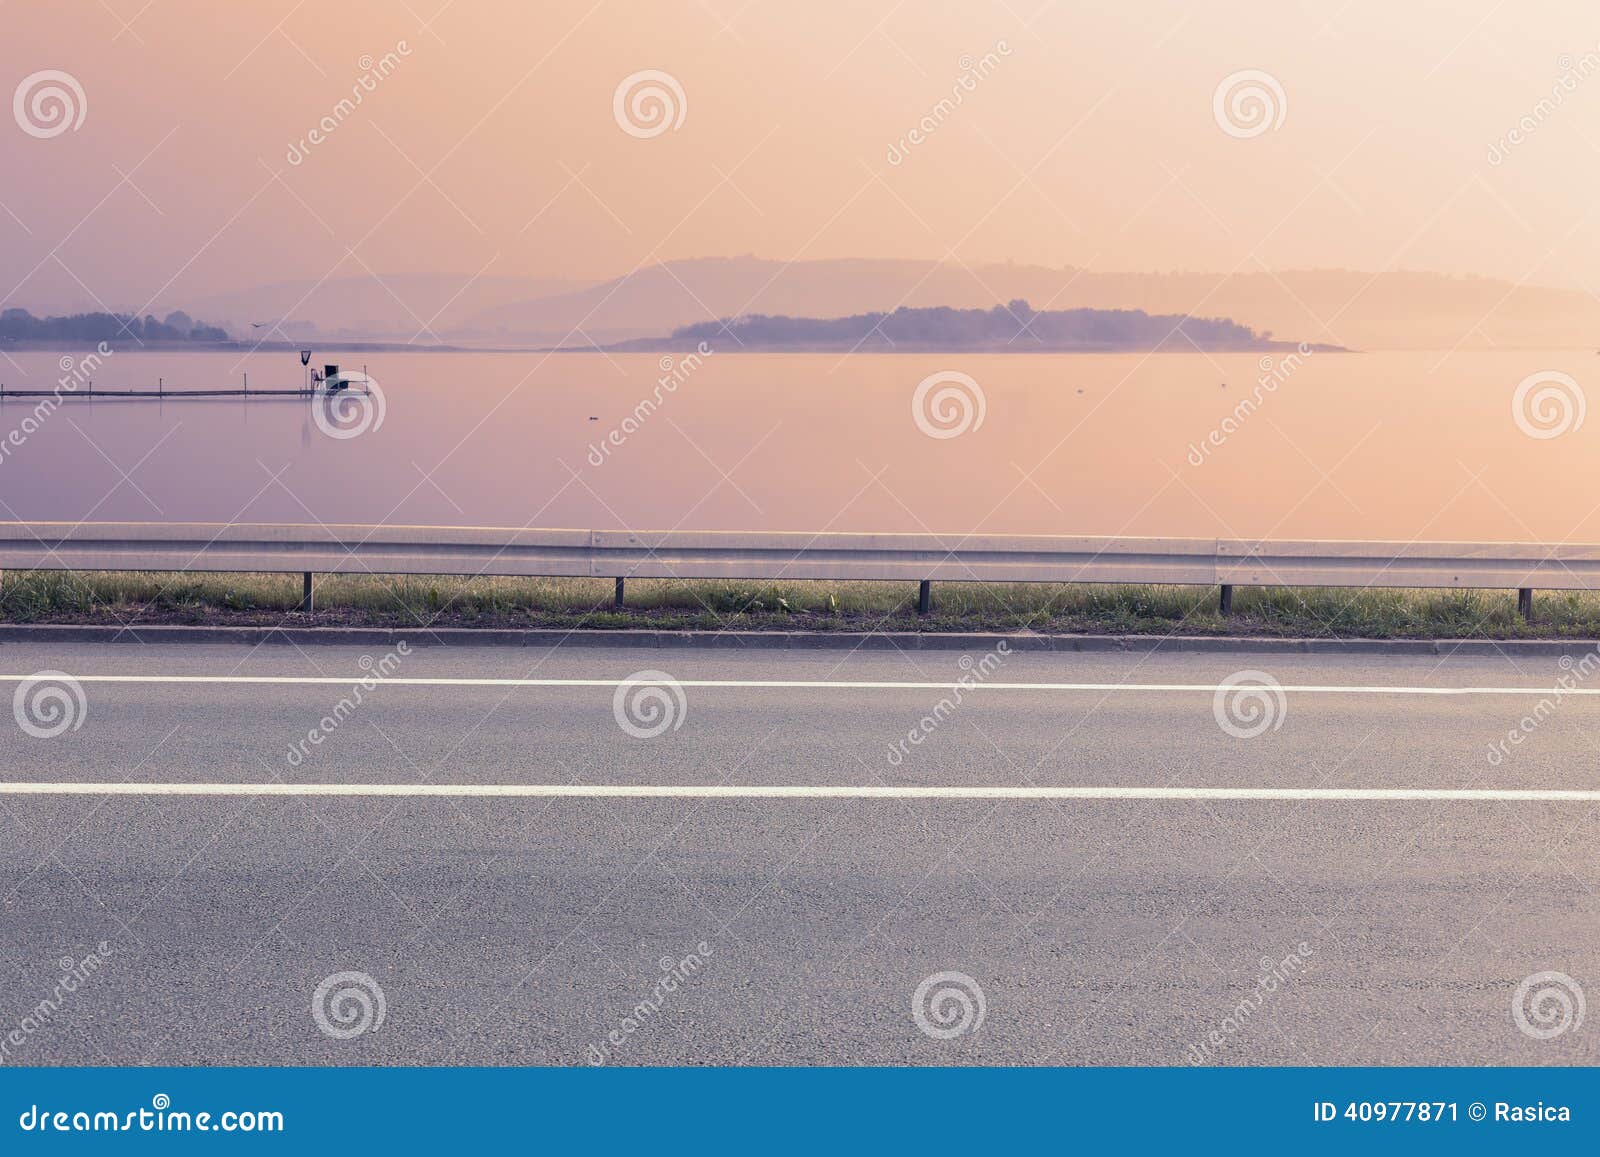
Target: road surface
542 880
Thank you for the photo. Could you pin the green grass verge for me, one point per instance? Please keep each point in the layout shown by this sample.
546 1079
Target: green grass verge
256 599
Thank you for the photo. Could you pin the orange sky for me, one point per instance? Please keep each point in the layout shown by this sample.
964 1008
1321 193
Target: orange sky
493 144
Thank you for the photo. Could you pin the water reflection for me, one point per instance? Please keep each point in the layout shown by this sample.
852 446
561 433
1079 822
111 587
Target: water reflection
1376 445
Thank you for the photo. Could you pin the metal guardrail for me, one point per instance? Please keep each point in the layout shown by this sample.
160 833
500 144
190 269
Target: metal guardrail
925 558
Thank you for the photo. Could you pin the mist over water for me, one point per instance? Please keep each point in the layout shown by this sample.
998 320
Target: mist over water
1391 445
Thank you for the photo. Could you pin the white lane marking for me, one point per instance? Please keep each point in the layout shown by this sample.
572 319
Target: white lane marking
809 684
807 791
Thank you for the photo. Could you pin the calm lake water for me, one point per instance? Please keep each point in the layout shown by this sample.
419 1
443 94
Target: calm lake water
1395 445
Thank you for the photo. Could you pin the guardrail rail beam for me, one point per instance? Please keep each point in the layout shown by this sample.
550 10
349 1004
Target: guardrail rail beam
308 549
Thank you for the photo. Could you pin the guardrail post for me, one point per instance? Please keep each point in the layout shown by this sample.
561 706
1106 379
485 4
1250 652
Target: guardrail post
616 600
306 601
925 597
1225 602
1525 604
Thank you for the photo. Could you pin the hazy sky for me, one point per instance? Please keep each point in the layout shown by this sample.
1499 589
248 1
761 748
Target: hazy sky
1086 134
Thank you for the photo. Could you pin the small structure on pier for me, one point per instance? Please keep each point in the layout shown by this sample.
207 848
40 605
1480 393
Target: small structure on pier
332 380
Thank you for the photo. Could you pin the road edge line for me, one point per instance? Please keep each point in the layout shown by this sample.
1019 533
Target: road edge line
253 636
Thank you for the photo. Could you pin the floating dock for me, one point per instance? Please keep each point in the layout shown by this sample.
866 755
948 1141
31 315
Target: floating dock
159 394
329 383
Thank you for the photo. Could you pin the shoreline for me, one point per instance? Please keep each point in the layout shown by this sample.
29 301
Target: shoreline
662 345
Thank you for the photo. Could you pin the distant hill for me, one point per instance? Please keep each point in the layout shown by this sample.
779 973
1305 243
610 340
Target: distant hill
1015 327
1343 307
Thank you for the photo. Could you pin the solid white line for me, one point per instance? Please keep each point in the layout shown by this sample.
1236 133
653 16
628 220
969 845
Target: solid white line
817 684
809 791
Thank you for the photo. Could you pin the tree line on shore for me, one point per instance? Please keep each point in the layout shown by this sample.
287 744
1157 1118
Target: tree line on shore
1015 325
20 325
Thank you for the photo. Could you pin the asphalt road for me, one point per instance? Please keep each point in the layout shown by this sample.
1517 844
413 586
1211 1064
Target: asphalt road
526 928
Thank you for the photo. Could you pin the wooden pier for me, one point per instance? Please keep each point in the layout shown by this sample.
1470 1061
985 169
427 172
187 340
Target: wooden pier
316 385
162 394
